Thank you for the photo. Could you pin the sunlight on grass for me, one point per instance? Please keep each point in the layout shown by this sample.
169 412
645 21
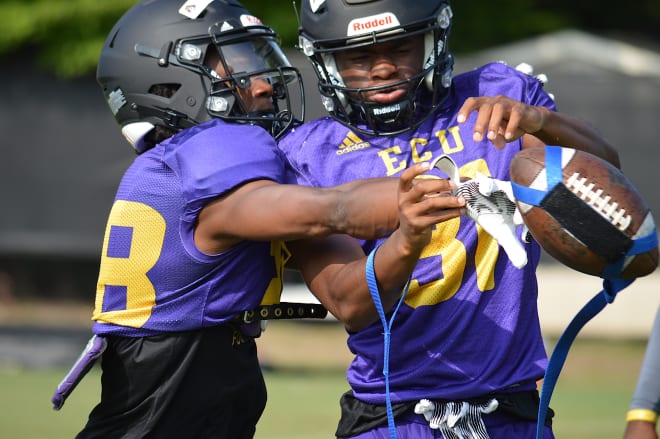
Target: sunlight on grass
590 399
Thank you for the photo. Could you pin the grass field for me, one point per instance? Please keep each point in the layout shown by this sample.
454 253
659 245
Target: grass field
305 378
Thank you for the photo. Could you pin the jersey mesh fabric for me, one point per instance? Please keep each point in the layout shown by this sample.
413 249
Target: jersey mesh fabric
152 277
469 325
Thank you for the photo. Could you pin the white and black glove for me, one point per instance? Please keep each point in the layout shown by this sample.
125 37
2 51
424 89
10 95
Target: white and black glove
490 203
456 420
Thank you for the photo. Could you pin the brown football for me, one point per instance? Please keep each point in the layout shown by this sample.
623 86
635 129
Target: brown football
586 214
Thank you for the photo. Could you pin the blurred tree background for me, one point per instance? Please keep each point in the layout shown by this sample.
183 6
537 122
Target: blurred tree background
66 35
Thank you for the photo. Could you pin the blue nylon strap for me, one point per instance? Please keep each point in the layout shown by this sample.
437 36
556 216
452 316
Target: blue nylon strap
610 289
644 243
640 245
387 328
527 195
553 166
612 285
613 270
554 177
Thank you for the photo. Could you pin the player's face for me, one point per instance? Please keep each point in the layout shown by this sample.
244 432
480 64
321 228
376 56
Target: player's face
256 97
381 64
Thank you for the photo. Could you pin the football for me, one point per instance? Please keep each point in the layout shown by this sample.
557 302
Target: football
584 212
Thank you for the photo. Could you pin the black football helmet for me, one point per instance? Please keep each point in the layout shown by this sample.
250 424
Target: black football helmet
329 26
163 44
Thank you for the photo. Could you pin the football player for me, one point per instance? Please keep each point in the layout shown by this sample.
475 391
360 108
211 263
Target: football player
193 244
466 345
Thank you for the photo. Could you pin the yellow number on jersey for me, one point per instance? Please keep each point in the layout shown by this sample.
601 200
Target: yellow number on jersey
281 255
146 243
454 256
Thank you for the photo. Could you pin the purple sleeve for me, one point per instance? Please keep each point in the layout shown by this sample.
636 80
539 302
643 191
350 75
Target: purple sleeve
304 148
498 78
221 156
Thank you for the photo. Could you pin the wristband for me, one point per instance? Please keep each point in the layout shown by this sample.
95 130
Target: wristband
642 415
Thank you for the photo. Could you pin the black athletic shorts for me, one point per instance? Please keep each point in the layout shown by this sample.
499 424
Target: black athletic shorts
193 385
358 416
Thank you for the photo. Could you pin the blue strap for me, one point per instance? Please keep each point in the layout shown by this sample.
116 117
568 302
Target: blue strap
553 172
387 327
612 285
640 245
610 289
527 195
644 243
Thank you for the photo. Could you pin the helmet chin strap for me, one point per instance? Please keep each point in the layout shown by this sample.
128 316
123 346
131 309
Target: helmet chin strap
265 120
391 115
275 123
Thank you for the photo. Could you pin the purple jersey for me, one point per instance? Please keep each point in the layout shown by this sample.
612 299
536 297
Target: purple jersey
152 278
469 325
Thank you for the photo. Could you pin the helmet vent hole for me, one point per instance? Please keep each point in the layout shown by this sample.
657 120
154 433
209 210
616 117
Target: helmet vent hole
164 90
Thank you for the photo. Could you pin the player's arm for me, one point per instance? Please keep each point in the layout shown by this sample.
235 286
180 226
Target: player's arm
264 210
642 416
502 120
334 267
564 130
640 430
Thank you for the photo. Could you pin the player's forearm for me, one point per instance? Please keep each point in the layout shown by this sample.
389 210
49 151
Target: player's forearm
640 430
364 209
563 130
394 262
334 270
263 210
367 209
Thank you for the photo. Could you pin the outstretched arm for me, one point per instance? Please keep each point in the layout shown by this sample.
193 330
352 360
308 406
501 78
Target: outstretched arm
264 210
502 120
334 268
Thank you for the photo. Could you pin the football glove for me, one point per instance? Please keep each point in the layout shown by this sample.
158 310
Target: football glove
456 420
490 203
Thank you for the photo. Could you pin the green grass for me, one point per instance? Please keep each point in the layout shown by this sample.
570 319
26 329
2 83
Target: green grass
591 397
595 387
302 404
26 411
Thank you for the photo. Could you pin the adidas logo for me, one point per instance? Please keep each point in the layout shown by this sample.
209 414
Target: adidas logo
351 143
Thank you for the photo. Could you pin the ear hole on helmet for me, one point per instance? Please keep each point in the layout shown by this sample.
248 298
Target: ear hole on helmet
164 90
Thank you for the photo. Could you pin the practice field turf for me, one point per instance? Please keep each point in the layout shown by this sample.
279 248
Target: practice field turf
304 373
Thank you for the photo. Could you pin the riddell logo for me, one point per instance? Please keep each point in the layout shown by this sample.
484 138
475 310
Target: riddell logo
250 20
373 23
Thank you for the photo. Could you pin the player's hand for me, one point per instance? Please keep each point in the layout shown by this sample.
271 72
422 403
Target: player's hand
424 202
501 119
